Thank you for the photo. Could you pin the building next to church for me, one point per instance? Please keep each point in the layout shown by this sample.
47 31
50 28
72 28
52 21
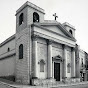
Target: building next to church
81 64
86 63
40 49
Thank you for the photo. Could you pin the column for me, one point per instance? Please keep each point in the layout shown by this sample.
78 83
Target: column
64 59
49 59
35 56
73 63
77 64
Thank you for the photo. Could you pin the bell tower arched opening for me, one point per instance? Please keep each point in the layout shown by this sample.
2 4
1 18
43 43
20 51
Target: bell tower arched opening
21 19
70 31
35 17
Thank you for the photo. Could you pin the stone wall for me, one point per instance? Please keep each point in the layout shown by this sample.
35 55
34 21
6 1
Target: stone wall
22 65
4 48
71 80
7 66
43 82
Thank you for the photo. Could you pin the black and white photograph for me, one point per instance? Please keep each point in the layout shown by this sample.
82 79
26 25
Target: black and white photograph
43 44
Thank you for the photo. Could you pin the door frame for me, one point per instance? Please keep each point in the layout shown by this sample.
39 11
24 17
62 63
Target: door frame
60 69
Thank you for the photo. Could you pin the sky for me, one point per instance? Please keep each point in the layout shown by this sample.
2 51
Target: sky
74 12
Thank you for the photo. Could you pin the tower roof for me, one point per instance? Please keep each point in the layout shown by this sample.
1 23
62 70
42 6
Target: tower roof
67 24
30 5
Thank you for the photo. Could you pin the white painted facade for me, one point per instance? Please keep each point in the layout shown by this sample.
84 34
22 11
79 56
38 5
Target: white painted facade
46 41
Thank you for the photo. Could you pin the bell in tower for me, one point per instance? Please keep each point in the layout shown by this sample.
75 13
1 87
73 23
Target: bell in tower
35 17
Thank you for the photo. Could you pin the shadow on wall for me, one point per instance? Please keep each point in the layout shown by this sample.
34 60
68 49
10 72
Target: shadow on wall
10 78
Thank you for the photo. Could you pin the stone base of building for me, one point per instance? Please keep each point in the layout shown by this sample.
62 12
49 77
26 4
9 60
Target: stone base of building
71 80
53 81
43 81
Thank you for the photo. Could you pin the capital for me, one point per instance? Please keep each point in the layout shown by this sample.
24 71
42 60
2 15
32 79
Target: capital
34 37
63 60
73 48
49 42
77 60
64 46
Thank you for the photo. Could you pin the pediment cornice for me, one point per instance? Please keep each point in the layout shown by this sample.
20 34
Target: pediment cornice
71 38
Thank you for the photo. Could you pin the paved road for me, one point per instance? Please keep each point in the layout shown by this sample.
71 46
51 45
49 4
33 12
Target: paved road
79 85
74 85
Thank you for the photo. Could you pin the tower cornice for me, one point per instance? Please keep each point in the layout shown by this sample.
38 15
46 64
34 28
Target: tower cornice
30 5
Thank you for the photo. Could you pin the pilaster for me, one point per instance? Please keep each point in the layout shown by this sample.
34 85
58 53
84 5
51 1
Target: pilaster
35 55
49 59
73 63
64 60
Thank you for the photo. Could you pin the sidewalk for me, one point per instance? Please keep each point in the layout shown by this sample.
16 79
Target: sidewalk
8 84
76 85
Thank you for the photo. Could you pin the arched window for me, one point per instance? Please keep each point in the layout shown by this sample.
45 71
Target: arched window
70 31
21 17
8 49
21 51
35 17
42 63
82 61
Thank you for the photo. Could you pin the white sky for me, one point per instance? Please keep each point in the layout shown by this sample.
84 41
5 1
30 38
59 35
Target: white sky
74 12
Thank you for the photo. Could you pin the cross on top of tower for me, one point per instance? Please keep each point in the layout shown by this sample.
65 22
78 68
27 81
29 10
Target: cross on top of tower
55 16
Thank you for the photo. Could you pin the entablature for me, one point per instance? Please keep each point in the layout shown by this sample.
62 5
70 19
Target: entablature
46 34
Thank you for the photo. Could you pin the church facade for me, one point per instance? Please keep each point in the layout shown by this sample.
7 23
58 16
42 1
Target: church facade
40 49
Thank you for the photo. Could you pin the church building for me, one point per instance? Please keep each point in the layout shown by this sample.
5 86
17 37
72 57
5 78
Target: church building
40 49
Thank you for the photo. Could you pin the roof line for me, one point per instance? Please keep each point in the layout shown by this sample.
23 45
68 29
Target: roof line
7 40
9 55
52 31
66 31
30 5
59 25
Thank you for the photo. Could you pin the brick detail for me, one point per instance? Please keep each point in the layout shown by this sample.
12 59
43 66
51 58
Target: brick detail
22 65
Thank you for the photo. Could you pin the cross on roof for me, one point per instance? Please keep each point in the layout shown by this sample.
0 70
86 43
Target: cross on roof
55 16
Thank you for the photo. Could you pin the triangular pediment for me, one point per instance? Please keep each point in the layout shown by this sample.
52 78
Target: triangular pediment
57 28
57 58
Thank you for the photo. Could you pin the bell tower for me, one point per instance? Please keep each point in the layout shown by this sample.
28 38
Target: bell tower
71 29
26 15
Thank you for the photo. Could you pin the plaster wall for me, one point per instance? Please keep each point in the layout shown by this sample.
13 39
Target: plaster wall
7 66
81 56
69 28
55 29
4 48
42 54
